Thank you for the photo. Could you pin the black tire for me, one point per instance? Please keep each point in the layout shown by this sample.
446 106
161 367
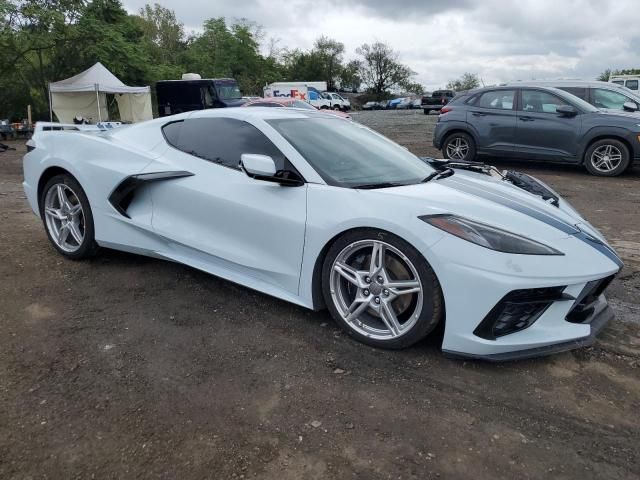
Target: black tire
470 154
337 107
591 162
427 111
88 247
432 303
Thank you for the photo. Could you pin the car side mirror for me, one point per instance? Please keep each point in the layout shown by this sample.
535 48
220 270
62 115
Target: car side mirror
567 110
262 167
630 106
256 165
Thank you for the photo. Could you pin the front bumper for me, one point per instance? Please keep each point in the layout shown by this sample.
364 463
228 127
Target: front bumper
597 322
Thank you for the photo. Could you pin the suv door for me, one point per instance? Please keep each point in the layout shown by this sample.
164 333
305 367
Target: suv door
220 218
492 117
541 131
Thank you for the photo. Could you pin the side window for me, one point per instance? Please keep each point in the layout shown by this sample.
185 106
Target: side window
632 84
577 91
540 102
171 132
500 99
224 140
608 99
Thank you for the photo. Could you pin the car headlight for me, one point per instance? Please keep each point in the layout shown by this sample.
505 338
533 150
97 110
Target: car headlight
487 236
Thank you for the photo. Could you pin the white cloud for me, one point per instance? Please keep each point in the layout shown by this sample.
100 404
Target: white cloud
500 40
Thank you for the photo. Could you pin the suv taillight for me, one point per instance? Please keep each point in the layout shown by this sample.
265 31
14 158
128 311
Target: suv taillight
445 110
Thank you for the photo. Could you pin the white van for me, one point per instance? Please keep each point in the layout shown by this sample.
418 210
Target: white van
629 81
313 92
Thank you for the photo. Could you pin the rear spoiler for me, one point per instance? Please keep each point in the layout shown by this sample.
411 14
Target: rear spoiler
54 126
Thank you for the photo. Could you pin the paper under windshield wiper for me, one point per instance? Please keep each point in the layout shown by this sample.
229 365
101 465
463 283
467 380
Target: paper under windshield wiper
447 172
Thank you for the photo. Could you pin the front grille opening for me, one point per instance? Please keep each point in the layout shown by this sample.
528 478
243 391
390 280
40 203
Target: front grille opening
587 300
518 310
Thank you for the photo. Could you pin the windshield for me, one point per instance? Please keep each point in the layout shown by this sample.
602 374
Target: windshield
227 89
350 155
301 104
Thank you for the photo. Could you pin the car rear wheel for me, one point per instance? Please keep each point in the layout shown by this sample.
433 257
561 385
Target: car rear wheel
67 217
607 158
380 289
459 146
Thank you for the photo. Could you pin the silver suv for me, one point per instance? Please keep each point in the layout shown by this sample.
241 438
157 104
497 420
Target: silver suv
602 95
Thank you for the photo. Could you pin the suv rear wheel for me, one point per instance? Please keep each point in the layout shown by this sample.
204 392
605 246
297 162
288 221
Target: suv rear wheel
607 158
459 146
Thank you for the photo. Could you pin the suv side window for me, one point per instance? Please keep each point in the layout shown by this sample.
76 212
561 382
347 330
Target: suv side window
579 92
632 84
540 102
223 141
603 98
500 99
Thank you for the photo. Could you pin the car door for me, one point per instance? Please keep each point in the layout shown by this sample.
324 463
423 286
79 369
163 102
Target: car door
492 116
541 132
219 217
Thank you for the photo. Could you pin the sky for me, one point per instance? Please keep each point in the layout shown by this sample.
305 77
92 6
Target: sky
500 40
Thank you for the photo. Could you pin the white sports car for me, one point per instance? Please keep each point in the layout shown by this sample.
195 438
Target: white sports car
324 212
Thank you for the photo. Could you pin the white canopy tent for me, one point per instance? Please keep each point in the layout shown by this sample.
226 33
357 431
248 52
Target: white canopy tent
85 95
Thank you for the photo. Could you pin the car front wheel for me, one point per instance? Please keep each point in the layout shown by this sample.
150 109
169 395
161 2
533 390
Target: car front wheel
67 217
380 289
459 146
607 158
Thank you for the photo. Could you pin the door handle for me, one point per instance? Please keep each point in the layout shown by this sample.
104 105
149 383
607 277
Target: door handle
526 119
478 114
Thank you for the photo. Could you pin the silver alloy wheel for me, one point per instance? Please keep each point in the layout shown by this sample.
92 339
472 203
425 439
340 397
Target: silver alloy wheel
376 289
457 149
606 158
64 217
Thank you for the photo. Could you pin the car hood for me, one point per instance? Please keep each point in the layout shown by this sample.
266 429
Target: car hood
492 201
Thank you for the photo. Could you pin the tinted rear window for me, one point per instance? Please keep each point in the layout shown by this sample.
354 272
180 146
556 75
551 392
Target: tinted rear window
579 92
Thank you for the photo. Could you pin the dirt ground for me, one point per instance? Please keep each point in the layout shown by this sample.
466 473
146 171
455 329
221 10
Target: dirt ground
130 367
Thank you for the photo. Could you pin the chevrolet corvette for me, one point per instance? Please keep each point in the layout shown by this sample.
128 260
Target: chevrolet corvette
330 214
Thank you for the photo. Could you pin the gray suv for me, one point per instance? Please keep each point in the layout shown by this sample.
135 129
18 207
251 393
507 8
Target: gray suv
538 123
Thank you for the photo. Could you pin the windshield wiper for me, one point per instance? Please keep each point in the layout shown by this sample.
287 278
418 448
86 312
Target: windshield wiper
447 172
371 186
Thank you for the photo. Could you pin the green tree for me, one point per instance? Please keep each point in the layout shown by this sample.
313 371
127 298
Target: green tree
380 68
328 53
604 76
164 39
413 87
350 75
466 82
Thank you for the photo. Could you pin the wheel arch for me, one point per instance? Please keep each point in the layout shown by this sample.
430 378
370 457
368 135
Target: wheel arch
459 129
47 175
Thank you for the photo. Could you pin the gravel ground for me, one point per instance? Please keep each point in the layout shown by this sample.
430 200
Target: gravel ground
130 367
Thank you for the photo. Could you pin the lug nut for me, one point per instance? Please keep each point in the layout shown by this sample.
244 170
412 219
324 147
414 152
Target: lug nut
365 292
380 279
367 279
385 292
377 300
